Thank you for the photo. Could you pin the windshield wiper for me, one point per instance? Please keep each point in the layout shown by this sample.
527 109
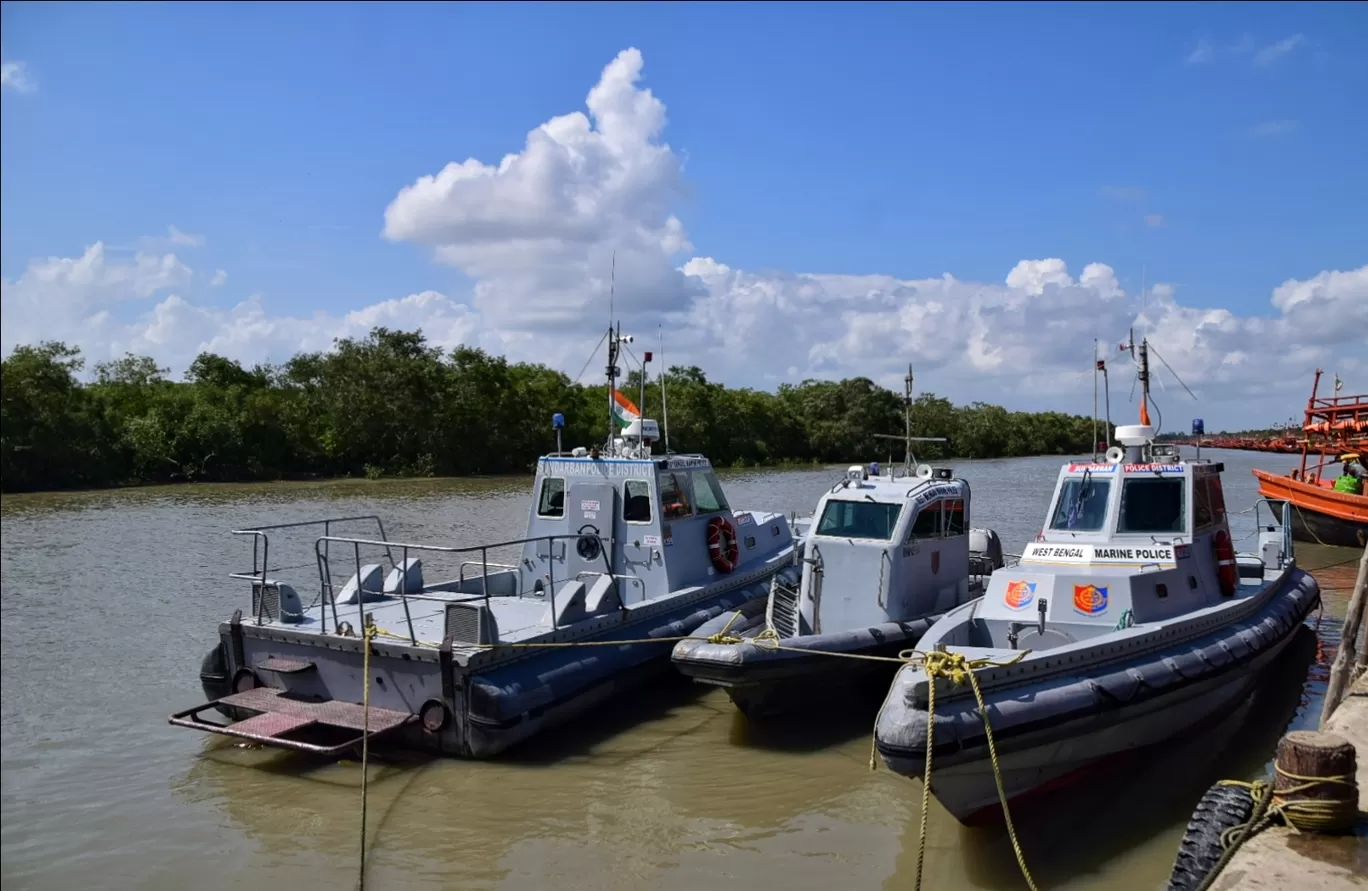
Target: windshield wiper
1084 493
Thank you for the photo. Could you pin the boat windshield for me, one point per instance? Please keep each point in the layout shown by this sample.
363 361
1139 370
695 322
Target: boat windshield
708 497
859 519
1152 505
1082 504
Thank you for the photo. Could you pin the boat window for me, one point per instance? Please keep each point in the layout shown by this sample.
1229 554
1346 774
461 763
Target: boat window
1208 501
708 497
1082 504
636 501
1217 496
1152 505
859 519
552 501
954 517
674 495
928 522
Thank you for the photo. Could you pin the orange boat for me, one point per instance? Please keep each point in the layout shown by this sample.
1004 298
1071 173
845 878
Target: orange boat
1334 427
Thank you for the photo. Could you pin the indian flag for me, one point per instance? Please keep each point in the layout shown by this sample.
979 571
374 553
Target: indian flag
624 412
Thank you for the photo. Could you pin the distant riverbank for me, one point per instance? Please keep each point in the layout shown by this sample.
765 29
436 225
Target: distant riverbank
390 406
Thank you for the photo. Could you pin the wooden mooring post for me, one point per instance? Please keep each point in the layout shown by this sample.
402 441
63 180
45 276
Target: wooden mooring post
1350 659
1314 784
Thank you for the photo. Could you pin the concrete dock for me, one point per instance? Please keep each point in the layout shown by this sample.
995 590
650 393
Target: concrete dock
1280 858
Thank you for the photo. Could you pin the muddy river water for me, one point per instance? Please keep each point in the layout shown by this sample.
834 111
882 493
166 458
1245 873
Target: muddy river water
110 599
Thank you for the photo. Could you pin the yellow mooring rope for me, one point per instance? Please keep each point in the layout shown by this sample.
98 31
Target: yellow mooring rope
368 633
1315 815
953 666
958 669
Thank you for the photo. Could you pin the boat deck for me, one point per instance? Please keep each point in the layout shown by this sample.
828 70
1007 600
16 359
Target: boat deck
424 621
421 619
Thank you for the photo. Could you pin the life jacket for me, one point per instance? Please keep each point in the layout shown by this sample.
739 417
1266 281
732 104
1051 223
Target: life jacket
1349 484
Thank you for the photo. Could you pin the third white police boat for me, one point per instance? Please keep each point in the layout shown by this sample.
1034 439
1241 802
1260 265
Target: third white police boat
1129 621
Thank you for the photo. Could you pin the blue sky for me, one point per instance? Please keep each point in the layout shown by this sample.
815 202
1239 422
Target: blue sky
1218 146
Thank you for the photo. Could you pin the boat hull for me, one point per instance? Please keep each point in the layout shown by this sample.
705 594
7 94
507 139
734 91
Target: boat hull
1048 733
1319 514
490 708
767 683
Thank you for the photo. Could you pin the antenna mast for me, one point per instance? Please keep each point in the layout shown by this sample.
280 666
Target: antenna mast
1096 363
612 354
907 420
1141 352
664 408
614 339
1106 394
909 460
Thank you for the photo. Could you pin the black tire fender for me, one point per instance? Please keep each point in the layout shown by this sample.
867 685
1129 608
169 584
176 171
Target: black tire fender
1220 809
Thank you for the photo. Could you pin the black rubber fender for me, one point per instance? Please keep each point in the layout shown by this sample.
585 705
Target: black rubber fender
1220 809
214 679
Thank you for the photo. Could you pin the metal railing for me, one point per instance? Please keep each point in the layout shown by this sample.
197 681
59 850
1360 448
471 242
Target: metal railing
1285 521
327 587
261 549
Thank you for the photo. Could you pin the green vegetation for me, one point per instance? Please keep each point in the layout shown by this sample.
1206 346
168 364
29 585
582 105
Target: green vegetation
389 404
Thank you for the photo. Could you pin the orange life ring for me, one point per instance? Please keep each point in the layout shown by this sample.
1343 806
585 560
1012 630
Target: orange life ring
722 545
1226 571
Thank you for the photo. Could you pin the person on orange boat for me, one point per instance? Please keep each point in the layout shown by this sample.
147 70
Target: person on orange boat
1351 475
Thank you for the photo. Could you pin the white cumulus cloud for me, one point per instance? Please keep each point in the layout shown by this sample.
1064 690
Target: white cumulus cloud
539 229
83 301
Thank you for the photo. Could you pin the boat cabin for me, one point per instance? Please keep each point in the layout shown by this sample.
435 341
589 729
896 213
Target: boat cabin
884 548
647 521
605 534
1141 536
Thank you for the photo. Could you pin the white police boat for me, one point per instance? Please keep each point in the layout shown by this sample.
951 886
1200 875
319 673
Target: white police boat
624 552
1129 621
883 556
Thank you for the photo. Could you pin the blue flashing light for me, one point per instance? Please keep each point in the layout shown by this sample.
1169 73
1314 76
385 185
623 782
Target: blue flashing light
1198 428
873 468
558 421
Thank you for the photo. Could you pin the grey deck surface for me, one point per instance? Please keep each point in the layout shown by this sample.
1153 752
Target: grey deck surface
519 619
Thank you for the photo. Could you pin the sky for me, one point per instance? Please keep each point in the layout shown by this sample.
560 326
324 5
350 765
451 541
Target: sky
777 192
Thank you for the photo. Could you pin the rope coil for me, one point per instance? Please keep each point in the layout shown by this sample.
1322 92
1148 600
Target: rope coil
1314 814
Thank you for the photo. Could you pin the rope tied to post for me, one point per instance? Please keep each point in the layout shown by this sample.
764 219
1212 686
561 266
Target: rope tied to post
1302 815
1313 814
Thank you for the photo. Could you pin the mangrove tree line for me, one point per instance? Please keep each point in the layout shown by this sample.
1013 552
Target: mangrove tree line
390 404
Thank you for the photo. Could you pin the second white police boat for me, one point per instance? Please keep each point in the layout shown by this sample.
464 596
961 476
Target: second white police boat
883 556
1130 620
